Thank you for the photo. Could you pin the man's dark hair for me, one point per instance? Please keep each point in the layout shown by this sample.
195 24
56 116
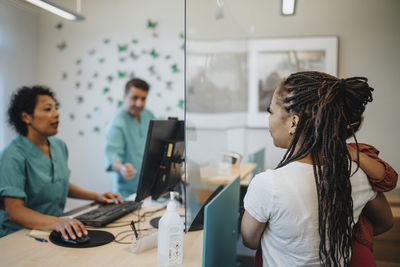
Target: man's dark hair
24 100
138 83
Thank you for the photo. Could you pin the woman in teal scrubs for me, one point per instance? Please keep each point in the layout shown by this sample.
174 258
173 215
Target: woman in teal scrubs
34 173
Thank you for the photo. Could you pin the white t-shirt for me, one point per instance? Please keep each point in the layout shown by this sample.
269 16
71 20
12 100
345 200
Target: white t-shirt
286 198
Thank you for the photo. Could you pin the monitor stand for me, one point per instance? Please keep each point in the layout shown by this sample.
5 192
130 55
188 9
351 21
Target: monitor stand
154 222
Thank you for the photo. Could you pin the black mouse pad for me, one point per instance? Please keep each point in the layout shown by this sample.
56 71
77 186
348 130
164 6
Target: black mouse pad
97 238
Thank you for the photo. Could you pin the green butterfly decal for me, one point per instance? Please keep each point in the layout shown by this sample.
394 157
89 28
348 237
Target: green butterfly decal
106 90
59 26
153 53
119 104
135 41
95 75
121 74
78 61
122 48
96 129
151 24
174 68
181 104
106 41
77 84
101 60
71 116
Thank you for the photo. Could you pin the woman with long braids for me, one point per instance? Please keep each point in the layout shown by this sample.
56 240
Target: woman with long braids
302 213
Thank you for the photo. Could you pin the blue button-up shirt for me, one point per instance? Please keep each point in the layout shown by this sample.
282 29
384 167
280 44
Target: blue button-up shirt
125 141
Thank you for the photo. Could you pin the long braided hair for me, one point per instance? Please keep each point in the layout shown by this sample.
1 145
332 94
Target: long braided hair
329 110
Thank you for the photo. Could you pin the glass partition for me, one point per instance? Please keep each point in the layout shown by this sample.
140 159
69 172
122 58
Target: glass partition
217 80
238 51
235 59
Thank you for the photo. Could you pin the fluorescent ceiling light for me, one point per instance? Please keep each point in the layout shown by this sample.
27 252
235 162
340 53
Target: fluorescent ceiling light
56 9
288 7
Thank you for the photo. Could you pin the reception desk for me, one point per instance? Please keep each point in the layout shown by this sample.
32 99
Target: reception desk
19 250
210 174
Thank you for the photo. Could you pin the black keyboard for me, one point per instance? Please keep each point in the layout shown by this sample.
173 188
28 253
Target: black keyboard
107 213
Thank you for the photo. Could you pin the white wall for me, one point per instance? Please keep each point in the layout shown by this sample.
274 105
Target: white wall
18 61
120 22
369 39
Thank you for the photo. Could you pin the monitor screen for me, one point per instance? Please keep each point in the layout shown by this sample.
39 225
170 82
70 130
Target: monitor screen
163 158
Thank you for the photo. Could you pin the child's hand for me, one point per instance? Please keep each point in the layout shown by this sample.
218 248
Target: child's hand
353 152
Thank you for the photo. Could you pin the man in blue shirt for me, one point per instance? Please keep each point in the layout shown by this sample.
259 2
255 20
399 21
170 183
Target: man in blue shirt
126 138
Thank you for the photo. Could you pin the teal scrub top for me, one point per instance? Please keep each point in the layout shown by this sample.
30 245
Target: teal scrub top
27 173
125 141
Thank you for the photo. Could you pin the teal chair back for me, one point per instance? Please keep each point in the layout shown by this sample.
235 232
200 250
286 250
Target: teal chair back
221 227
258 157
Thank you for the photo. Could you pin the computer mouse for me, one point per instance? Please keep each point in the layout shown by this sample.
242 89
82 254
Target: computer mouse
78 240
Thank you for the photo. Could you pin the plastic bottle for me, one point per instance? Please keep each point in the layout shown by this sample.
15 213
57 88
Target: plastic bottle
170 236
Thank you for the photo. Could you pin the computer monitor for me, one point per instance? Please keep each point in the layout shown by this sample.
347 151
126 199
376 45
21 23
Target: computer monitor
163 158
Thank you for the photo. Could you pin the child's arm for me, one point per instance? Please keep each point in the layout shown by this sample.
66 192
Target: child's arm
381 175
379 214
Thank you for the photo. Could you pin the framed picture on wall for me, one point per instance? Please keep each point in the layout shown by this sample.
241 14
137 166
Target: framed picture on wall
270 60
216 84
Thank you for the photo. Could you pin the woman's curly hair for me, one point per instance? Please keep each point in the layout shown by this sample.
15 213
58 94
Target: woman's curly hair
24 100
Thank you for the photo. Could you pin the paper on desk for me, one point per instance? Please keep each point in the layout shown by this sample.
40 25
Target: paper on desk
131 197
148 202
40 233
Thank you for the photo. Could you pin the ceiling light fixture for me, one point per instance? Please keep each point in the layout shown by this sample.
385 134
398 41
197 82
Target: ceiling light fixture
288 7
56 9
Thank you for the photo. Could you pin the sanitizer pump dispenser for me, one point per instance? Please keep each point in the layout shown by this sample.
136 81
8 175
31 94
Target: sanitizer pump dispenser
170 236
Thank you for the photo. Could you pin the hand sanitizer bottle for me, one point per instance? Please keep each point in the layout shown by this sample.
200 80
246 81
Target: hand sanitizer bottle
170 236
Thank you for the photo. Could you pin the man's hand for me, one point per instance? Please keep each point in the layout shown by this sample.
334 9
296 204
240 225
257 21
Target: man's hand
110 198
127 171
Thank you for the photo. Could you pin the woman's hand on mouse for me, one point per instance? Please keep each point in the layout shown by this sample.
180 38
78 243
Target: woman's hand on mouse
110 198
70 227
